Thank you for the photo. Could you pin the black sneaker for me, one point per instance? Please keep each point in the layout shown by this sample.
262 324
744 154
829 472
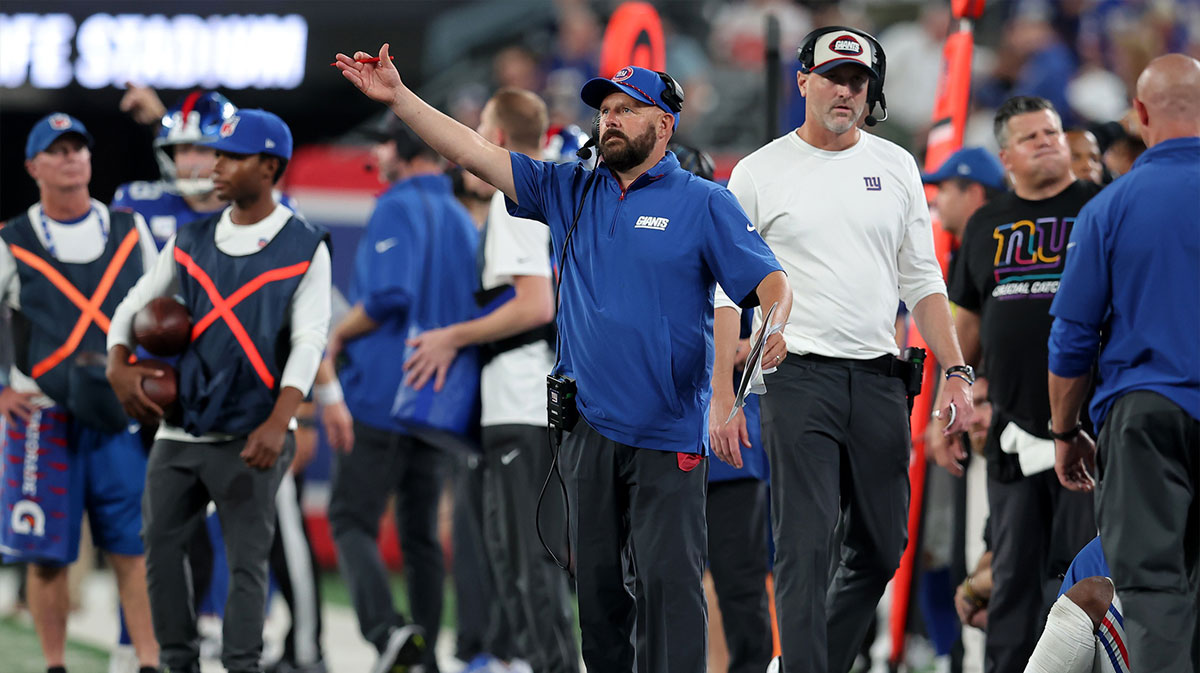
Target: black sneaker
404 650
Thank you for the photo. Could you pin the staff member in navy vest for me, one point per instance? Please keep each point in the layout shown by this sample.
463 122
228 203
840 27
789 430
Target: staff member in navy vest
256 280
414 271
635 332
65 264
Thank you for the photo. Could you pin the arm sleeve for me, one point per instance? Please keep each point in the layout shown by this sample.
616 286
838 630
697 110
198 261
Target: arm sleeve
737 256
1083 296
534 183
741 185
394 260
963 289
159 281
310 323
145 242
517 247
919 272
10 282
121 200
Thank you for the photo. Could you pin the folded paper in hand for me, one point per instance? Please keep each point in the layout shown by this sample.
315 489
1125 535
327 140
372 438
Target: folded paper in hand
752 376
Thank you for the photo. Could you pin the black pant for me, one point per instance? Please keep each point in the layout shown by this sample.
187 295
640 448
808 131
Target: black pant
1037 529
1149 514
638 501
295 564
480 625
838 440
181 478
533 591
383 463
737 556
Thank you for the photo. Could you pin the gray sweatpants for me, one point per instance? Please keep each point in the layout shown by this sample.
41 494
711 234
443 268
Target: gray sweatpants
837 437
533 592
181 478
1149 514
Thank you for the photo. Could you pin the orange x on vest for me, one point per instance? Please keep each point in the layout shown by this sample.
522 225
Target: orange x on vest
89 309
223 307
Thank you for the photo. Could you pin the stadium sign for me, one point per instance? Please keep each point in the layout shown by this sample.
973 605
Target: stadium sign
52 51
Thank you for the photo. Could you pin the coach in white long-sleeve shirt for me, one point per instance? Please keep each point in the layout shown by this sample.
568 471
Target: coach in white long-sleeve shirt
845 214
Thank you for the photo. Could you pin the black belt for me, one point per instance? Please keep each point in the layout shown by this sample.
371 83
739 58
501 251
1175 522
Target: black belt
888 365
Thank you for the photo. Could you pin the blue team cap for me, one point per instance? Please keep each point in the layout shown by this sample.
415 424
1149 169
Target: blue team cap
970 163
254 132
641 84
51 128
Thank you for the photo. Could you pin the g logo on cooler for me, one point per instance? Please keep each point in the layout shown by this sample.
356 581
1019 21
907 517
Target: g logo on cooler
847 46
623 74
28 518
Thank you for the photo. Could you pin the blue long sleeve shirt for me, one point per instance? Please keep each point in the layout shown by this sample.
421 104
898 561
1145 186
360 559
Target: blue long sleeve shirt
414 271
1133 276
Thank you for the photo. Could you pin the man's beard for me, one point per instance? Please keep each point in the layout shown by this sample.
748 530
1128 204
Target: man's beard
632 152
840 125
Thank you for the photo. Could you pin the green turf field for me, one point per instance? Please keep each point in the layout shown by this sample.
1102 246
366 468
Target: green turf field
20 652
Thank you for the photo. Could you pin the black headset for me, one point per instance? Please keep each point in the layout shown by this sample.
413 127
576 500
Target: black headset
693 160
878 64
672 95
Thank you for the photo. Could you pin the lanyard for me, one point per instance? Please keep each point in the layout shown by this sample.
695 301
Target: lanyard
50 237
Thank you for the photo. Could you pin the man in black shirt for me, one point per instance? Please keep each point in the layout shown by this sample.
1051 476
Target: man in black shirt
1008 272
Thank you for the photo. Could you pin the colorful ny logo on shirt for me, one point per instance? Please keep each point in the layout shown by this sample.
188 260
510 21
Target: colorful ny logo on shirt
873 184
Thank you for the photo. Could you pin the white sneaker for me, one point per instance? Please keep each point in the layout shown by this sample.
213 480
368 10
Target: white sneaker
775 665
123 659
403 653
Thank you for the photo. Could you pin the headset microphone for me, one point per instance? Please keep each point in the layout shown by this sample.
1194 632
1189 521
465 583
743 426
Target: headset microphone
585 152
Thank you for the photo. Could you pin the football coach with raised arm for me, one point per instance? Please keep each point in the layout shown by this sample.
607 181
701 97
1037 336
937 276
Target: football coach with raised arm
640 243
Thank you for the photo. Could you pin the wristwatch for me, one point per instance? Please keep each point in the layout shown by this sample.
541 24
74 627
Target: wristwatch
1065 436
965 372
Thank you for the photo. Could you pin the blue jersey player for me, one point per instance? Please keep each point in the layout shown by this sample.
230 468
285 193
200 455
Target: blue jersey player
185 192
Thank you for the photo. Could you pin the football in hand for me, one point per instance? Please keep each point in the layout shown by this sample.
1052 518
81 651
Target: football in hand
163 327
162 390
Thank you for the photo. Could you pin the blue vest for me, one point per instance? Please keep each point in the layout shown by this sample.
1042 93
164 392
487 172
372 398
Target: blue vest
229 375
71 371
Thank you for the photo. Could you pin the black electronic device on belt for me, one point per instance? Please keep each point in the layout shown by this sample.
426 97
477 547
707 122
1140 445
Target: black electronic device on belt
560 403
914 360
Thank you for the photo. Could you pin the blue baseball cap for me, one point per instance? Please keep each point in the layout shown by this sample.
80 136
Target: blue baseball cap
641 85
970 163
254 132
51 128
